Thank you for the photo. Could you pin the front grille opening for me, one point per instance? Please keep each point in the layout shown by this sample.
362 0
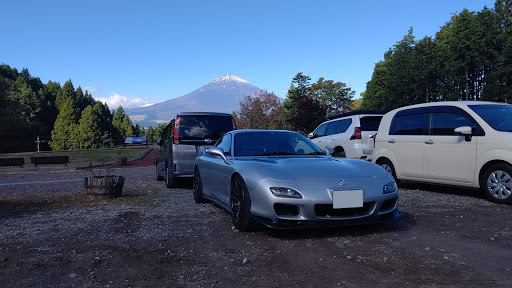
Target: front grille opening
286 210
388 204
326 210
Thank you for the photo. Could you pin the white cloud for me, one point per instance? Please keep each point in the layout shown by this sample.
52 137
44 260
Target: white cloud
92 89
115 100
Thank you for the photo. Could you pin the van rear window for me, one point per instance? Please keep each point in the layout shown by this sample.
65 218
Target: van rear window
370 123
200 127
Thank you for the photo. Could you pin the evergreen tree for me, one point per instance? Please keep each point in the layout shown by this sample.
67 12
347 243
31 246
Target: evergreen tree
336 97
67 92
127 126
150 134
65 133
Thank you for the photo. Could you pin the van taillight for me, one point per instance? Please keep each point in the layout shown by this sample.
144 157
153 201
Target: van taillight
357 133
177 129
234 123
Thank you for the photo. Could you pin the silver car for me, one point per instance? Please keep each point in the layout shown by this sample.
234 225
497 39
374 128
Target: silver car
282 180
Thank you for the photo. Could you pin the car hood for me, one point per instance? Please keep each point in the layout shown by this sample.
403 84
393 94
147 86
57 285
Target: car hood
289 168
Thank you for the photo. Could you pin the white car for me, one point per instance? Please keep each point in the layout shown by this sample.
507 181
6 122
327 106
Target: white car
349 134
462 143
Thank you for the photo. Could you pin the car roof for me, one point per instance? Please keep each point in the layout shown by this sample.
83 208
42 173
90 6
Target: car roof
357 112
203 113
259 130
450 103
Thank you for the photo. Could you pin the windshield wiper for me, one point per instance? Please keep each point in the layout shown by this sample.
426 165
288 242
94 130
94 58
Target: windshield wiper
316 153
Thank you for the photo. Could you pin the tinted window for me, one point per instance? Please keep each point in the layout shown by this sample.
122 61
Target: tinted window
499 117
225 144
445 123
320 131
262 143
199 127
370 123
331 128
343 125
412 124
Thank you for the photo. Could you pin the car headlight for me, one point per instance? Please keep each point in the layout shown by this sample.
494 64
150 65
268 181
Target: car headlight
285 192
389 188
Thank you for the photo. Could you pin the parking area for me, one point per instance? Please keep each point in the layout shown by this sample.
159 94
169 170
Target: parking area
52 235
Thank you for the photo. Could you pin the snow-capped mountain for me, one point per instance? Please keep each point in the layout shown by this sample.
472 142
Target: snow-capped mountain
223 94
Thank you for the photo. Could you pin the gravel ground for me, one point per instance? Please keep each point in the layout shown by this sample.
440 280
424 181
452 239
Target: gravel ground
52 235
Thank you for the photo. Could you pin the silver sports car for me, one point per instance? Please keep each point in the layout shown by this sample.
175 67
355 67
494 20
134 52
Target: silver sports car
282 180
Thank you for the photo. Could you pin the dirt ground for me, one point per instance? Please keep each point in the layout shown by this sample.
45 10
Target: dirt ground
52 235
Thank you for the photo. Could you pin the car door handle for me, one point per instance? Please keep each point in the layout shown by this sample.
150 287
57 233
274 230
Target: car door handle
429 142
391 141
333 139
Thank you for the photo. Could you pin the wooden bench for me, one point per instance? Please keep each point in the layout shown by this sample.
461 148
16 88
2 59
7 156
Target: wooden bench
12 162
49 160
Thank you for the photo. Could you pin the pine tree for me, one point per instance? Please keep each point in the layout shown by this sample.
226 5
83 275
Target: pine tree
65 132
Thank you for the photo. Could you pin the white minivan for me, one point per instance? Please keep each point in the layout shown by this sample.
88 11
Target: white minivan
463 143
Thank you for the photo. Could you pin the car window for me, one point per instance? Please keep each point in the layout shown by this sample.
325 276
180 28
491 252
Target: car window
320 131
225 144
261 143
445 123
343 125
412 124
199 127
499 117
370 123
331 128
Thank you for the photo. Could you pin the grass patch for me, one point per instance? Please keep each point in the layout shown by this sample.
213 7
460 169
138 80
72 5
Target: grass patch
85 157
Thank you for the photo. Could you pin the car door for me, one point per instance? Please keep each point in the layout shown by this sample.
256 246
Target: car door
406 140
448 156
319 137
217 168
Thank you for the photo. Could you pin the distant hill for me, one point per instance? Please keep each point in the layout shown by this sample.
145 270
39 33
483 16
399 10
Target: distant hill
221 95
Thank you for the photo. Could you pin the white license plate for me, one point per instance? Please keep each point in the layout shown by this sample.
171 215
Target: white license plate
347 198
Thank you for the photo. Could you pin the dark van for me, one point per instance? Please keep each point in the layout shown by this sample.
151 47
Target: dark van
182 138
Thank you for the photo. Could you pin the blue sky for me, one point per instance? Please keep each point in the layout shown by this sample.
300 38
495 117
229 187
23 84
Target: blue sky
139 52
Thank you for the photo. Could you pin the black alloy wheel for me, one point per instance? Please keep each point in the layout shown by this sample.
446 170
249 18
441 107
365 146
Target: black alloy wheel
198 187
240 205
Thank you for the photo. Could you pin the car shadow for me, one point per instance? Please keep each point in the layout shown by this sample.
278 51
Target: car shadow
393 226
443 189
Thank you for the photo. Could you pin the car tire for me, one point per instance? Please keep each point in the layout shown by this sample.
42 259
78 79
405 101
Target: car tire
158 177
339 152
169 180
240 205
198 187
388 166
496 183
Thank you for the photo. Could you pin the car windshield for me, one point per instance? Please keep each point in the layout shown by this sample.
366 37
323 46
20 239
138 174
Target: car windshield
499 117
265 143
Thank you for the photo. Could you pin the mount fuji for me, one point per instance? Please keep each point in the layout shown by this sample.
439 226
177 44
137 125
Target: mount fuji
221 95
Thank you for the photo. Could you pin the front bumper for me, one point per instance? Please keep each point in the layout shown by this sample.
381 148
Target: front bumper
293 224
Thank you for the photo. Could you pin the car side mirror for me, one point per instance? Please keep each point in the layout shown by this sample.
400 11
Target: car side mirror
328 150
216 151
464 130
311 135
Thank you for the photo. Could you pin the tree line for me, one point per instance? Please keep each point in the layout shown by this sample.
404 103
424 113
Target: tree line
68 118
470 58
306 105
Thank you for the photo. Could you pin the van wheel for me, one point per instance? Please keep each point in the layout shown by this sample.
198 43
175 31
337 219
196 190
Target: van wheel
388 166
338 152
169 180
158 177
496 183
